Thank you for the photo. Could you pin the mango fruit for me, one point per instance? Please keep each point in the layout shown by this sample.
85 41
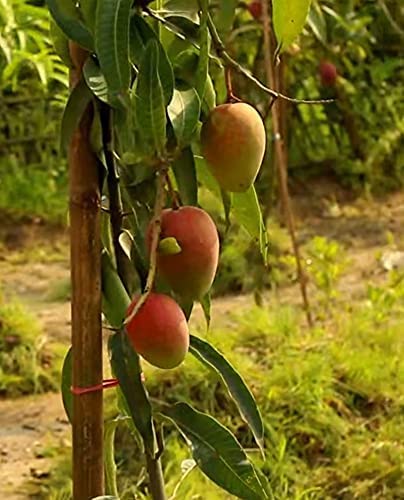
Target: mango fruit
233 143
191 271
159 331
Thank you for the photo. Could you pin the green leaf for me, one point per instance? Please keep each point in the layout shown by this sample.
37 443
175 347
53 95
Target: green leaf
109 458
317 23
185 175
185 8
227 200
226 15
183 111
205 303
150 103
112 43
88 7
186 306
67 374
247 211
115 299
289 17
60 43
236 386
206 178
95 79
217 452
126 367
77 103
140 34
67 16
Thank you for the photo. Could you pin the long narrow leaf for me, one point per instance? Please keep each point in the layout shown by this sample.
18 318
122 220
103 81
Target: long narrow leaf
140 33
67 16
184 112
185 175
79 98
67 395
217 452
112 43
247 212
115 300
238 389
150 102
203 65
289 17
126 367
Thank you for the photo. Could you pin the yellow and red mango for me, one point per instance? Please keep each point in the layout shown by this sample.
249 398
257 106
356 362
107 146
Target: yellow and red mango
191 271
159 331
233 143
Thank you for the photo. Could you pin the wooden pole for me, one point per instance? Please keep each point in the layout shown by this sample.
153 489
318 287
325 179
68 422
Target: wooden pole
281 157
85 255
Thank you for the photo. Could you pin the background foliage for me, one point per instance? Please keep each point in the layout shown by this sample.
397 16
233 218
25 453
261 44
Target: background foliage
310 408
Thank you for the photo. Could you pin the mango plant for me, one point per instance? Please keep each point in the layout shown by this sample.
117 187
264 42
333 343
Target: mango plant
144 78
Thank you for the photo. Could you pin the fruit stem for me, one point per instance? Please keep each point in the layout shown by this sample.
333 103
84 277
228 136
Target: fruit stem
229 86
281 160
155 236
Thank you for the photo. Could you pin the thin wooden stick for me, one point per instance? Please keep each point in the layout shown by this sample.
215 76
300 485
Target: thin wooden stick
85 247
281 160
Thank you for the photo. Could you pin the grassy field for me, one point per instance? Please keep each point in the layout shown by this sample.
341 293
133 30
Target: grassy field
331 396
332 399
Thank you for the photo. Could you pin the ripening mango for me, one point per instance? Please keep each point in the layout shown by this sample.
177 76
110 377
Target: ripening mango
159 331
191 268
233 143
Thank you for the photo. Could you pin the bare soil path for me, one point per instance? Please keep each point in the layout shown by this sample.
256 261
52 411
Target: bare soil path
35 261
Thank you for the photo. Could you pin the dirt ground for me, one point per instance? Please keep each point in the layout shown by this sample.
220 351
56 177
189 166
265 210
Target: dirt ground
34 259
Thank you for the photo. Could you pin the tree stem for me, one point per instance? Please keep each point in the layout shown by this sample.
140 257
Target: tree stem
85 247
281 159
115 198
156 479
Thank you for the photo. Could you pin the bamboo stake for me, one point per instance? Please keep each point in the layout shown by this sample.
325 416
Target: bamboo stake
85 253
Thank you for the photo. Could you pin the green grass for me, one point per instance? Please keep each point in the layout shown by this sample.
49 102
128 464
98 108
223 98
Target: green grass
34 191
28 363
332 399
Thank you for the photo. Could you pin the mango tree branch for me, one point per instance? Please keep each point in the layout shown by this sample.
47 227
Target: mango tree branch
155 235
232 63
228 61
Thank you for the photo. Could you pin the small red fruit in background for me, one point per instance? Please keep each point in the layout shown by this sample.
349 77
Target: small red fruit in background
159 331
191 270
328 73
255 9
